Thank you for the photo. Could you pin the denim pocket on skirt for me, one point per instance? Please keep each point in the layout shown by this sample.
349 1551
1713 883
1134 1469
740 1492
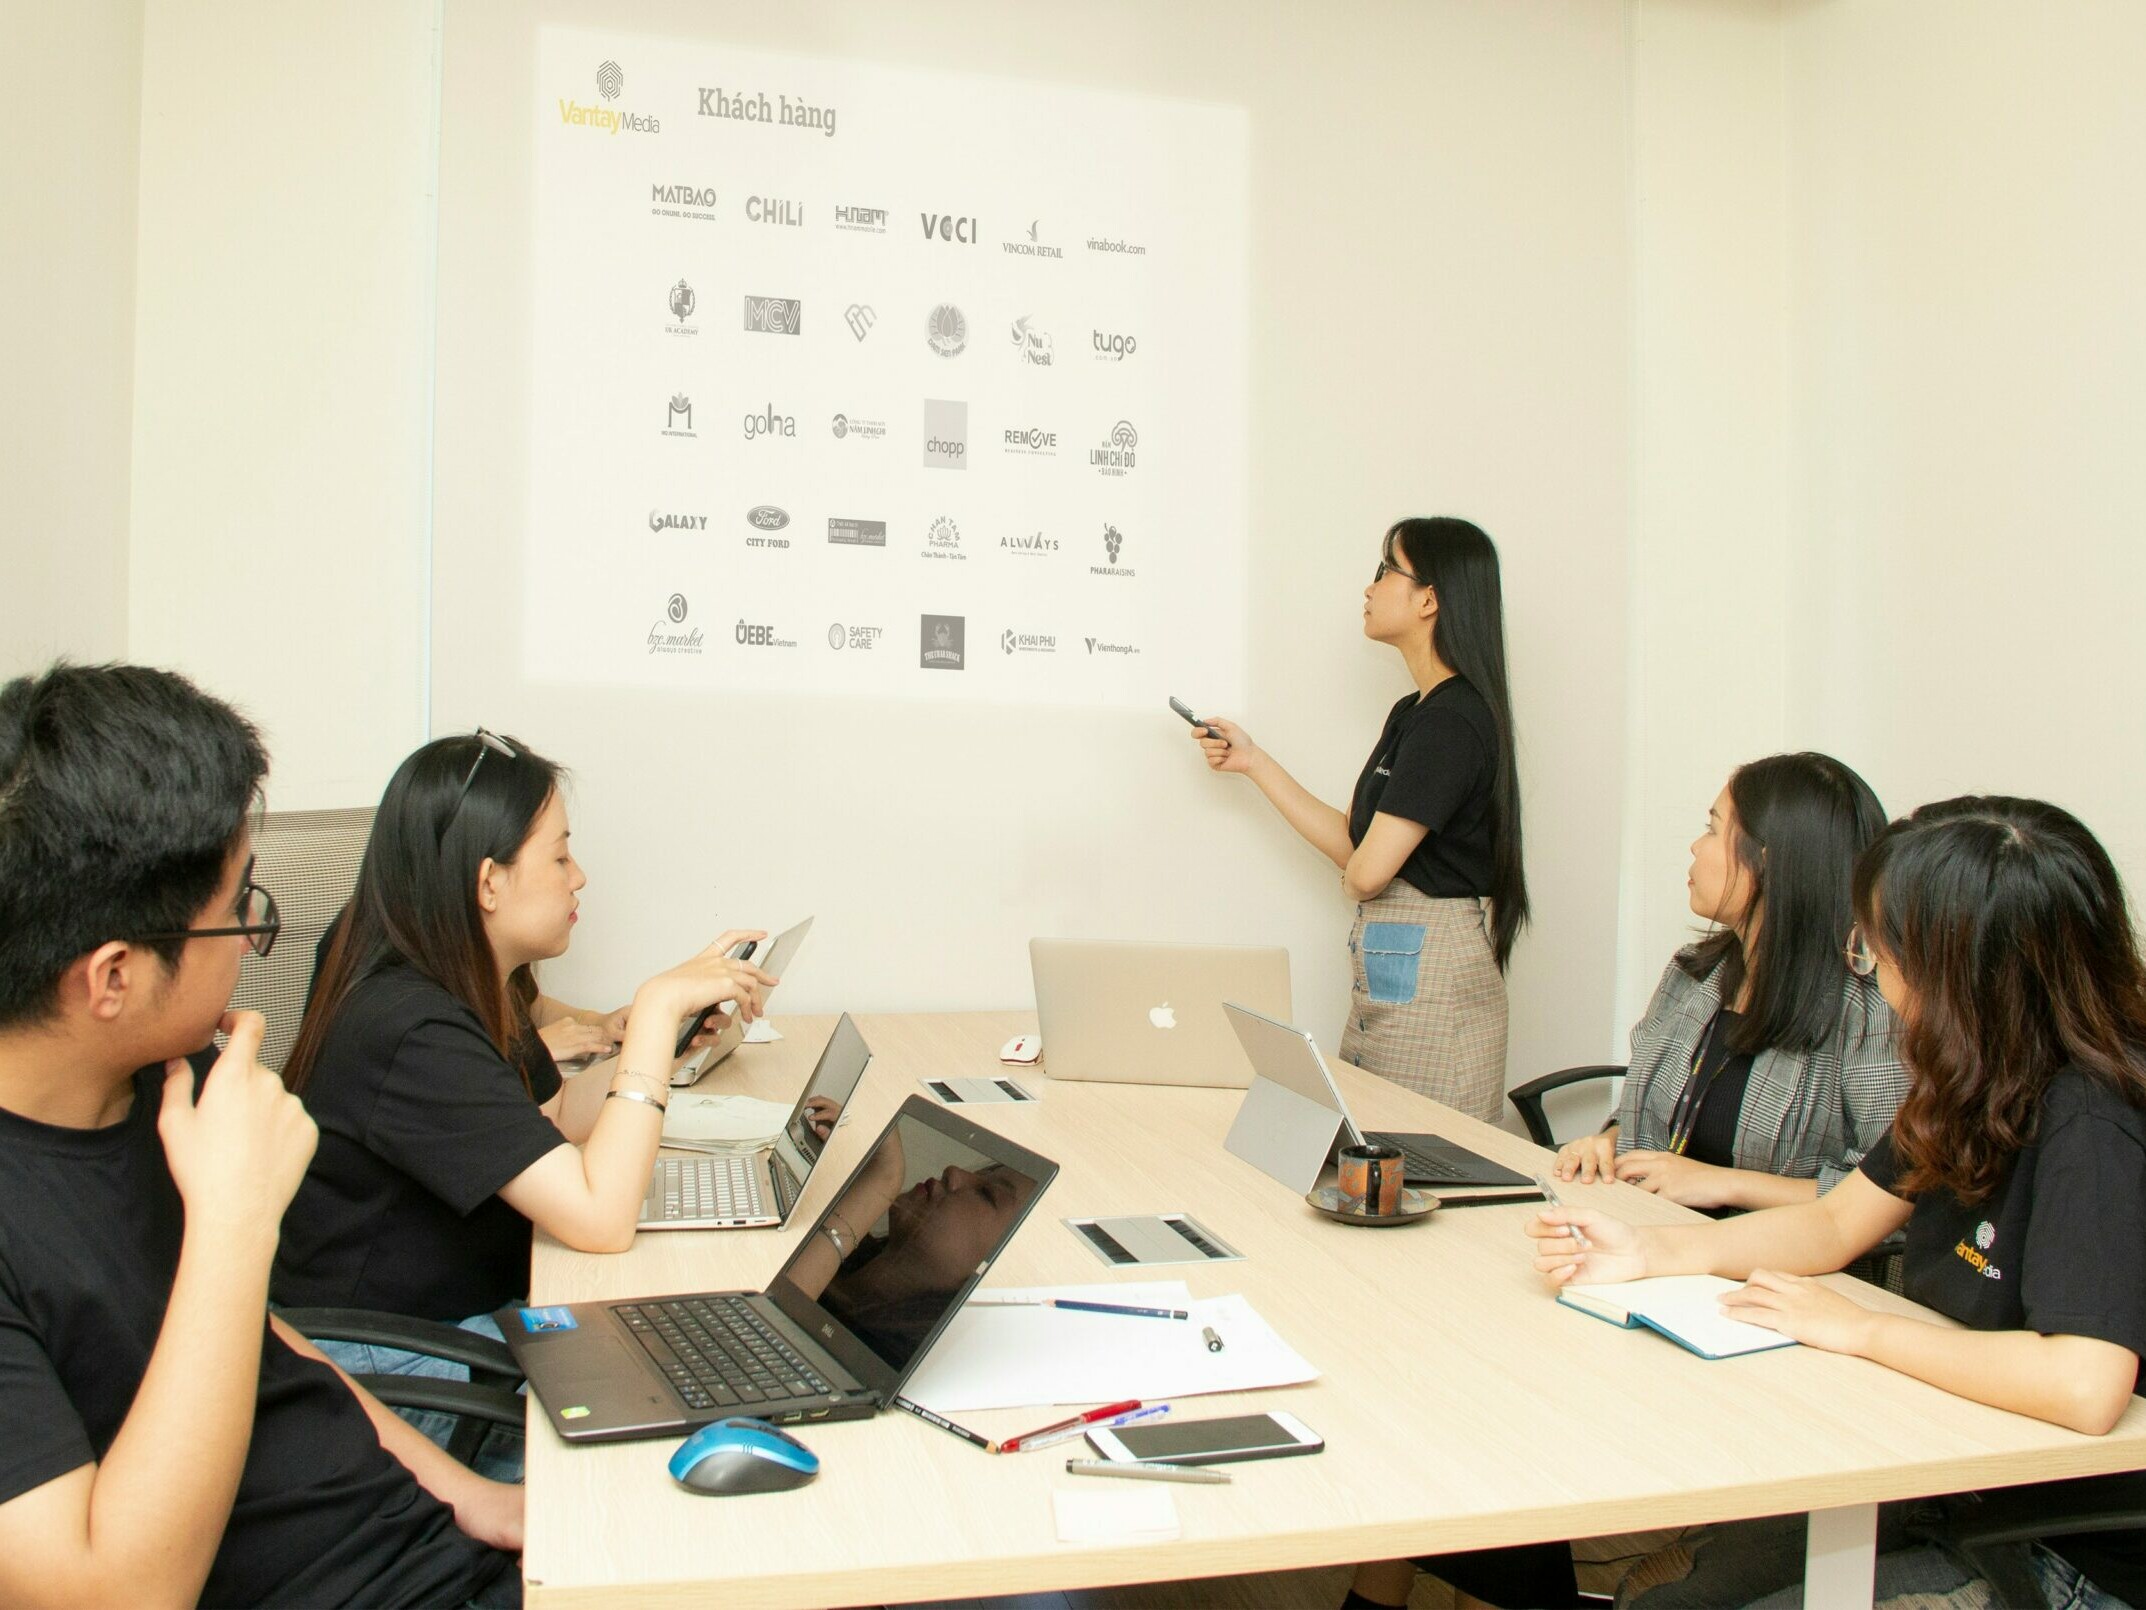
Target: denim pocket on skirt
1392 953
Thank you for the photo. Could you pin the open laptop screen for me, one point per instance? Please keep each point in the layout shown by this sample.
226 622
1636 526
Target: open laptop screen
919 1222
819 1109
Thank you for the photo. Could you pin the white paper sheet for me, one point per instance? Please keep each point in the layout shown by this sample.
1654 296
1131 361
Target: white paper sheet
1012 1358
761 1032
1136 1512
730 1120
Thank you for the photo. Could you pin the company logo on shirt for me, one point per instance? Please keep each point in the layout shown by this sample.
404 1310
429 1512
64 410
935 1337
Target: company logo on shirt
1976 1257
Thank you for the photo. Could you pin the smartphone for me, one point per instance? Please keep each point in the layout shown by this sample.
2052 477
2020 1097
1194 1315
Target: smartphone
1185 710
744 953
1208 1442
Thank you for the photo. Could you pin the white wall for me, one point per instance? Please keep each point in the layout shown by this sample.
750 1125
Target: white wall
67 188
1969 325
283 348
1439 284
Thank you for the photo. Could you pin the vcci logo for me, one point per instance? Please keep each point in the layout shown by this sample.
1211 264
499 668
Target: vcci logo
774 315
941 226
769 423
946 435
610 83
1112 348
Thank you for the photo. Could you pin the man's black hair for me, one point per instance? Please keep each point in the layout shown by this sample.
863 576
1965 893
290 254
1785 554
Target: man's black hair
122 792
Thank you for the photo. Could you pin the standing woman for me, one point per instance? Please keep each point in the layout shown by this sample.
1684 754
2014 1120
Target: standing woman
1430 846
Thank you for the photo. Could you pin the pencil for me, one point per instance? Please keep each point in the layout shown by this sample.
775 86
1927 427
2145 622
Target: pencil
944 1424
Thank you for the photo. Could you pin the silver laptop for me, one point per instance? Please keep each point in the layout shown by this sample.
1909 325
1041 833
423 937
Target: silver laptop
756 1189
776 959
1294 1116
1149 1014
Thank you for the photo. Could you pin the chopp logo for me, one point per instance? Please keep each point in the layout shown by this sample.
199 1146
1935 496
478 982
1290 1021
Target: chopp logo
610 84
1112 348
946 435
1035 442
1115 455
658 521
774 315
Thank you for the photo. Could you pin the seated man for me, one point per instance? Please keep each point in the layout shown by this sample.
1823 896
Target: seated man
167 1441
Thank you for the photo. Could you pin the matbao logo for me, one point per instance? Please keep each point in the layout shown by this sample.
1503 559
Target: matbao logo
768 423
663 638
1035 344
861 638
1113 540
946 331
1035 442
943 540
1112 348
1115 455
681 302
1031 247
1013 642
752 635
1037 543
847 426
774 210
753 108
1096 645
679 421
682 201
658 521
946 435
774 315
857 533
943 642
610 83
941 226
865 220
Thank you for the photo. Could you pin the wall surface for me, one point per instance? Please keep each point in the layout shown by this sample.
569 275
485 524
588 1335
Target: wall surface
282 386
1440 201
1969 262
67 190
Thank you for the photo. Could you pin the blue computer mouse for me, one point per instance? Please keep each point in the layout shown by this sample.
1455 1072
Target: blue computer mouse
740 1455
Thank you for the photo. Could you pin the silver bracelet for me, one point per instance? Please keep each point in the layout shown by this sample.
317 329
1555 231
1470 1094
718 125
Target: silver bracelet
635 1095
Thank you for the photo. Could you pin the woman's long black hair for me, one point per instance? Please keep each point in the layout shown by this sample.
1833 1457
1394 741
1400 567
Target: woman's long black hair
1460 563
1801 821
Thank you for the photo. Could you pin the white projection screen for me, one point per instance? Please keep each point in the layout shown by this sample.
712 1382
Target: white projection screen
882 383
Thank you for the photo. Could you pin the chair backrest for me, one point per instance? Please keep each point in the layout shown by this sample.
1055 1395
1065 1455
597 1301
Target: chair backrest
309 861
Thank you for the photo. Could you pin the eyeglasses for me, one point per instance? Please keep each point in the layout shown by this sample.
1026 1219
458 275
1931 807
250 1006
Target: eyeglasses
1385 565
1862 959
258 919
487 743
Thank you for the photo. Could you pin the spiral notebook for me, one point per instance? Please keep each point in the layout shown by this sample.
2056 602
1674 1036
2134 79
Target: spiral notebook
1684 1308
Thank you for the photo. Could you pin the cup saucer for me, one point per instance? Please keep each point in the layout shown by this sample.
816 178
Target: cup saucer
1414 1205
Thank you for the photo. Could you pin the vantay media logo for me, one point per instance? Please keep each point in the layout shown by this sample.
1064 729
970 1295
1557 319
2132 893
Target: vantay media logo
604 119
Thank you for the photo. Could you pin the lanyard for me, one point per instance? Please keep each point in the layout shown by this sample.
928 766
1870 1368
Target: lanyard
1684 1116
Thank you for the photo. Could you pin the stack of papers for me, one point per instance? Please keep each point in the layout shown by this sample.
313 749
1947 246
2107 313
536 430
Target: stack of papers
722 1123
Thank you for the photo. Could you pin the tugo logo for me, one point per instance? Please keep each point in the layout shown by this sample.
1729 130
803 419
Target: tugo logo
753 108
941 226
1031 247
946 330
679 421
1035 345
1115 455
861 319
1035 442
943 642
766 517
1113 348
774 315
676 522
770 210
769 423
946 435
857 533
867 220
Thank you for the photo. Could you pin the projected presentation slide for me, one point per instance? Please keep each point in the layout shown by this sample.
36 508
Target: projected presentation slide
855 379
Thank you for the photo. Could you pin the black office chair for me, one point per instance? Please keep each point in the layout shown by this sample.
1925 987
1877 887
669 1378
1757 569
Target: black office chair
1991 1530
1527 1098
488 1398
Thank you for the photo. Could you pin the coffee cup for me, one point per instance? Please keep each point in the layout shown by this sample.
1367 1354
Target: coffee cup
1370 1182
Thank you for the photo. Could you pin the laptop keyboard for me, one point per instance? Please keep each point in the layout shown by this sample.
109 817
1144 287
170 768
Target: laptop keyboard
718 1352
717 1187
1424 1165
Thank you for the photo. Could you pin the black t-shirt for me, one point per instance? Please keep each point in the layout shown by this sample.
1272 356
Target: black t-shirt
1721 1077
2059 1248
90 1225
1436 763
421 1122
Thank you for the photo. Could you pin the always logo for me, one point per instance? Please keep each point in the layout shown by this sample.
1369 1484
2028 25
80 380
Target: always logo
1037 543
658 521
604 119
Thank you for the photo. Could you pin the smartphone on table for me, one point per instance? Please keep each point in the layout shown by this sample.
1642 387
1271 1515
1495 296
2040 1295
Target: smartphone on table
1208 1442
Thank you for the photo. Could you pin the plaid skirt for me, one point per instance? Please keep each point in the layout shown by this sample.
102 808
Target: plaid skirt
1426 999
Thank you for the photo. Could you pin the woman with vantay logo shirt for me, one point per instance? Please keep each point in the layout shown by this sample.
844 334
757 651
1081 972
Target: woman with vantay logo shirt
1429 848
1998 931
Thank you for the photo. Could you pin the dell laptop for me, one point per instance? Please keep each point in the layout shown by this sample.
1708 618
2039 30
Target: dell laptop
843 1325
756 1189
1294 1116
1150 1014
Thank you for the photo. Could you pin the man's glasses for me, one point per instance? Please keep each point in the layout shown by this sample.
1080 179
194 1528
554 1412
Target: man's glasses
258 919
1862 959
487 743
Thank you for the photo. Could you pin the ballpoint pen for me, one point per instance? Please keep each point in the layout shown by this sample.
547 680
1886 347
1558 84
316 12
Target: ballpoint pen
1035 1440
1109 1411
1549 1195
1133 1471
1079 1306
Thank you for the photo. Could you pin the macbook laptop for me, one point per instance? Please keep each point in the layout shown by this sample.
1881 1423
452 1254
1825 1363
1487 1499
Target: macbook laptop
1293 1117
748 1190
1150 1014
844 1323
781 951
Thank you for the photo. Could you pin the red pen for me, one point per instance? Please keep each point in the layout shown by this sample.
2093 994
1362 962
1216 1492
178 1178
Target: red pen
1107 1412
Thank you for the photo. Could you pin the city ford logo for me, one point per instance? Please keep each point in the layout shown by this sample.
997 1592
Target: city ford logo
767 517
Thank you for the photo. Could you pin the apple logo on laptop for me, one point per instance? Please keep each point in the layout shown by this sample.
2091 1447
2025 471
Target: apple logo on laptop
1163 1016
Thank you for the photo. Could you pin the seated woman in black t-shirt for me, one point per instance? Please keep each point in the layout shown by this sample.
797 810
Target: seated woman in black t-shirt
1998 930
441 1140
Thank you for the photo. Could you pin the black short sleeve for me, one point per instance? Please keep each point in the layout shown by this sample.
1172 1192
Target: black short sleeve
2084 1256
1439 765
452 1114
1879 1165
45 1436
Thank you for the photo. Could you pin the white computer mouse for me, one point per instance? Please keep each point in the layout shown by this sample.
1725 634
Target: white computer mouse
1022 1049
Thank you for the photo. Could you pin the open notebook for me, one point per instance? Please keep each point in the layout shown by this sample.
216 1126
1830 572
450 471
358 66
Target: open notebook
1684 1308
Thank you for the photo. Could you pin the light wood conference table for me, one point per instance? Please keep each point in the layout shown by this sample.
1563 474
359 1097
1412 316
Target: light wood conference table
1461 1406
